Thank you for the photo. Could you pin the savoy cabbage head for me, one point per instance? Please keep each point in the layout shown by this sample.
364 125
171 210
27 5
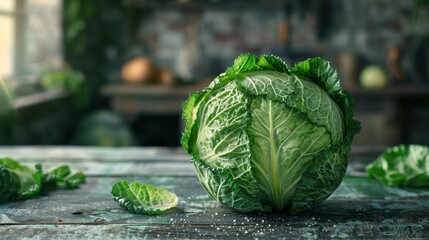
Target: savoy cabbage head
264 136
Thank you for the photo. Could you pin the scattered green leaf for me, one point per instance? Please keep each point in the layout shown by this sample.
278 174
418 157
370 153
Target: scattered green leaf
403 165
143 198
74 179
19 182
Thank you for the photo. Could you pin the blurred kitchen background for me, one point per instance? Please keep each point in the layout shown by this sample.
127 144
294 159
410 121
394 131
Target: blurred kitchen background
115 73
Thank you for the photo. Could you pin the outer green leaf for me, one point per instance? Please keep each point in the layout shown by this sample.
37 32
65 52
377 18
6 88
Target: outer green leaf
323 175
249 63
285 140
18 181
143 198
327 170
243 63
218 139
223 189
222 142
190 110
272 62
320 72
403 165
297 93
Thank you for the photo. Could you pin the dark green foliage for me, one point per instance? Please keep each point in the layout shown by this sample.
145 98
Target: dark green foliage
70 80
103 128
20 182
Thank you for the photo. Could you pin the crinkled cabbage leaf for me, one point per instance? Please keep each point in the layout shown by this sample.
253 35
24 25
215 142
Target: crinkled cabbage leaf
403 165
143 198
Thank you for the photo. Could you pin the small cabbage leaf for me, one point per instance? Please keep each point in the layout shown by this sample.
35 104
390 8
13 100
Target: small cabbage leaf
74 179
403 165
143 198
61 176
18 181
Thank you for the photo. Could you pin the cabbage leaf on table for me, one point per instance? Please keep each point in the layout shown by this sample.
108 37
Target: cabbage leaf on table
143 198
403 166
19 182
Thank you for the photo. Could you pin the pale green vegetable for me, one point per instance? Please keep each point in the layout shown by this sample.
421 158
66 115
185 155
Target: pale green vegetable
403 165
265 136
373 77
143 198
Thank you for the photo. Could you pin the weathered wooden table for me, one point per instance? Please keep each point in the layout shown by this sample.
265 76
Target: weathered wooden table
360 208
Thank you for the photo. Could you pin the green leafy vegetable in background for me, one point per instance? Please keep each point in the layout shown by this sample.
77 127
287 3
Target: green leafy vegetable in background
72 81
403 165
266 136
143 198
103 128
20 182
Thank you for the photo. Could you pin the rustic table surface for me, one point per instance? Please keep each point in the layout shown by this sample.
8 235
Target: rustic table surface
360 208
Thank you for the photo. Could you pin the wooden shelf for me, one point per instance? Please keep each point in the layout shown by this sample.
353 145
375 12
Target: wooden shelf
39 98
129 90
388 115
198 4
131 100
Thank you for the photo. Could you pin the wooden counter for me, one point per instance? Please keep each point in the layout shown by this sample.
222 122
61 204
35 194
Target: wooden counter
360 208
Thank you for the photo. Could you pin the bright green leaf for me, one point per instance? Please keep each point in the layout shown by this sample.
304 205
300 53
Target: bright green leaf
74 179
143 198
403 165
18 181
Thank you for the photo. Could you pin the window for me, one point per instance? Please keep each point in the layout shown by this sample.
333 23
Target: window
30 36
7 10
